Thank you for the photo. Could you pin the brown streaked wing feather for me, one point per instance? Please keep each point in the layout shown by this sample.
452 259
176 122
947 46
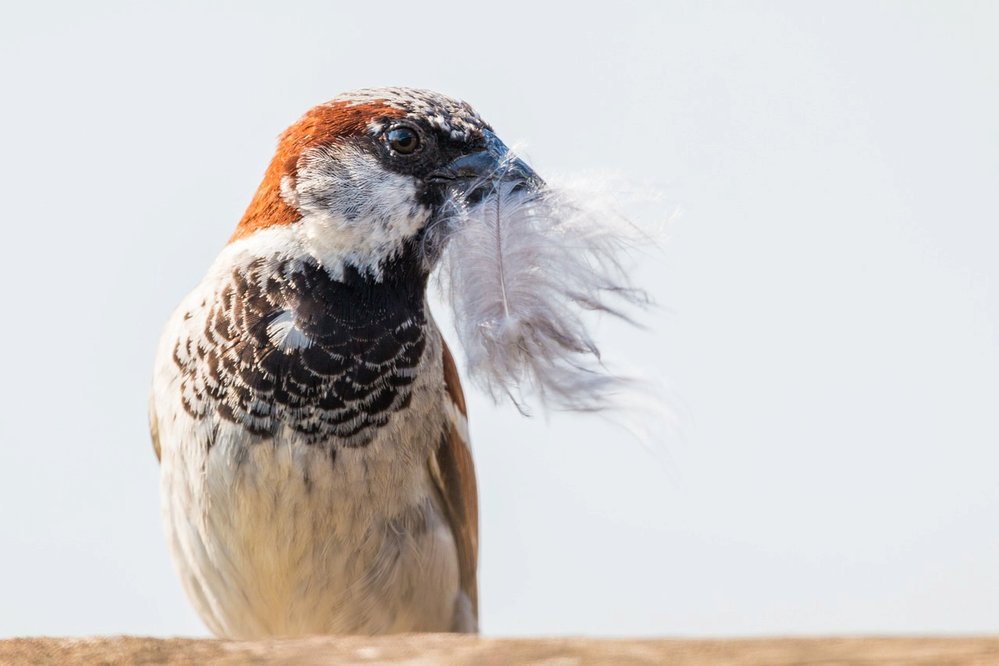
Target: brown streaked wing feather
454 473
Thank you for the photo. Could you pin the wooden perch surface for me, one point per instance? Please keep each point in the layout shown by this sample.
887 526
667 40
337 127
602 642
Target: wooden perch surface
459 651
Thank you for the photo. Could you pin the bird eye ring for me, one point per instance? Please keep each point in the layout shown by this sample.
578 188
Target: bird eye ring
403 140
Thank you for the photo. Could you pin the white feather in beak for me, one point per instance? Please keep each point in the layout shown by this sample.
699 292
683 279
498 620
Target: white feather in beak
520 269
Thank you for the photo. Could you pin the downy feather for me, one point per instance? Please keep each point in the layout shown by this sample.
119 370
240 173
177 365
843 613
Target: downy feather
521 268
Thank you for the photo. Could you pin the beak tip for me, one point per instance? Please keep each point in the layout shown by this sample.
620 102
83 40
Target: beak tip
494 162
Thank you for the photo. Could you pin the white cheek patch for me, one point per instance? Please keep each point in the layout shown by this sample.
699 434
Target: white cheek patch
353 208
288 192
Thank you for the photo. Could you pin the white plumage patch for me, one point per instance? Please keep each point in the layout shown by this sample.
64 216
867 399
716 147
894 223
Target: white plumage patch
354 211
283 332
521 270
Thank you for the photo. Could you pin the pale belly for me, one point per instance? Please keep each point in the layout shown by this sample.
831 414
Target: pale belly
281 540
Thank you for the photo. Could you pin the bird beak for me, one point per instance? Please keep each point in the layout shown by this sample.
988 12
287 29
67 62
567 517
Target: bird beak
474 175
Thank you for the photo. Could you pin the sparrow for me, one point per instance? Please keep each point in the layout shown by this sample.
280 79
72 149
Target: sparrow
316 475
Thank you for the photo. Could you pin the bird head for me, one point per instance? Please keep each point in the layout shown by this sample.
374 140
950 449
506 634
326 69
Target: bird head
357 182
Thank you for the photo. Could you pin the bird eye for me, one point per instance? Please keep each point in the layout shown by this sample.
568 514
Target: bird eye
403 140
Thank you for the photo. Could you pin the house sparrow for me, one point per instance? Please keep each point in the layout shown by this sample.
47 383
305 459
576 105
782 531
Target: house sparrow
316 475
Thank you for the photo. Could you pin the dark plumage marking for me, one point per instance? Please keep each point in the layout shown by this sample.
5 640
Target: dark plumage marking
348 365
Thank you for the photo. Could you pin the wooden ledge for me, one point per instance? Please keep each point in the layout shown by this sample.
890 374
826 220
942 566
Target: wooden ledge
459 650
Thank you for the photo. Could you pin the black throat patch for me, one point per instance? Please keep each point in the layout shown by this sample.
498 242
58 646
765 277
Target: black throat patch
288 346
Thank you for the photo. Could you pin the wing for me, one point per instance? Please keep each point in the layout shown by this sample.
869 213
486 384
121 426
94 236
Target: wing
454 474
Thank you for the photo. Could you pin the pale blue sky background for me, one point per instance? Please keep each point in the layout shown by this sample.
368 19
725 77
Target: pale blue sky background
830 296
